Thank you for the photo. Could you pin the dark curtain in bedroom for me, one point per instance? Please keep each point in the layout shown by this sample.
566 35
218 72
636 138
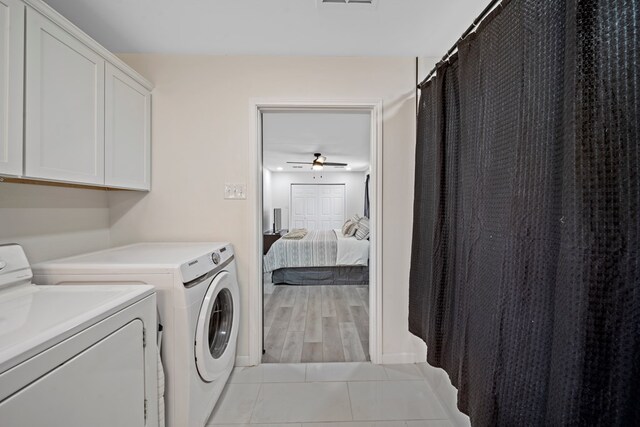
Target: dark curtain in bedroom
366 197
525 275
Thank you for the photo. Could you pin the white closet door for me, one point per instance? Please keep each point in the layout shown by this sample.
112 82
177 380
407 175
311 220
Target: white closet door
303 206
331 202
64 105
317 207
11 85
127 132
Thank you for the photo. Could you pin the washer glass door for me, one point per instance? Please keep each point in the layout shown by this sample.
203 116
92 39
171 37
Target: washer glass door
217 327
220 323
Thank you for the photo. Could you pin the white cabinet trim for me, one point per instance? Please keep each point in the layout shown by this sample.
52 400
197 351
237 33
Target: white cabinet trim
11 136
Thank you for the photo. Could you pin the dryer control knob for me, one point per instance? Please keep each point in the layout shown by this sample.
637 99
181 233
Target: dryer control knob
215 257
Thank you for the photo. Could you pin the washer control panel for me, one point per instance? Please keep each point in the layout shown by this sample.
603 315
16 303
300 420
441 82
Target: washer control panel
205 263
215 257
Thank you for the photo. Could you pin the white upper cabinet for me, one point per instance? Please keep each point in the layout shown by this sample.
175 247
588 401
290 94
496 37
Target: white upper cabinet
127 132
64 111
70 110
11 84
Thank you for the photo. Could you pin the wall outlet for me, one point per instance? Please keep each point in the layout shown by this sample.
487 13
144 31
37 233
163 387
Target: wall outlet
235 191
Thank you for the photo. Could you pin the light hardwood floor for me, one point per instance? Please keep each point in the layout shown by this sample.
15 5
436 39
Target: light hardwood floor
316 323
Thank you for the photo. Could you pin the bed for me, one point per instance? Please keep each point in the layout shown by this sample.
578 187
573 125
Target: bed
322 257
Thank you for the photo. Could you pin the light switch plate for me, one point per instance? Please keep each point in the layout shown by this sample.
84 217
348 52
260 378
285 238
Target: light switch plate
235 191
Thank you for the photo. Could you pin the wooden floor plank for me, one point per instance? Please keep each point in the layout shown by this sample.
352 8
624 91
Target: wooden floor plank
341 303
328 305
292 349
312 352
332 349
353 296
361 322
299 315
289 297
274 342
271 305
351 344
364 296
313 324
365 348
316 324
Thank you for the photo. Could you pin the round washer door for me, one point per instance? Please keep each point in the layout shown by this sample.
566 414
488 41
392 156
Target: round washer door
217 329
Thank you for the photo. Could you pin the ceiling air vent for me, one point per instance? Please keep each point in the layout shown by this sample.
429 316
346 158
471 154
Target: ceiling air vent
347 2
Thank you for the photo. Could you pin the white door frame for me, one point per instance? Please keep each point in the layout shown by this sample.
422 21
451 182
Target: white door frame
256 107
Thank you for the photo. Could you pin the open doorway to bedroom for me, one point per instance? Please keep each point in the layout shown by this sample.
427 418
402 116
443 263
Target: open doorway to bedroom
316 234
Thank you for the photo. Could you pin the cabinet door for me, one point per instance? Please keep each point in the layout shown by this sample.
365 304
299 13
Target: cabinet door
11 85
64 110
127 132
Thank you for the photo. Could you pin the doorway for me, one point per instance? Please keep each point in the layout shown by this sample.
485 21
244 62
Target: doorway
323 310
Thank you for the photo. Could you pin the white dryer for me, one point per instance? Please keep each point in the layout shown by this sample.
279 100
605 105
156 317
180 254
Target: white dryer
74 356
199 306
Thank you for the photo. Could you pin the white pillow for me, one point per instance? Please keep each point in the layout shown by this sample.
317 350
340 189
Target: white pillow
351 229
347 224
362 231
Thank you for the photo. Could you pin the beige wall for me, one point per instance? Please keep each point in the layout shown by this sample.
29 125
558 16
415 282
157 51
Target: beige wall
201 134
425 65
53 222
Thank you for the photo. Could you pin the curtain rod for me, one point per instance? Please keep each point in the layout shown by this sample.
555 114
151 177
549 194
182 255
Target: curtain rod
473 26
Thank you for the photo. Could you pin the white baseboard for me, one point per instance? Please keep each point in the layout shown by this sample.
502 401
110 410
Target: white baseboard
399 358
243 361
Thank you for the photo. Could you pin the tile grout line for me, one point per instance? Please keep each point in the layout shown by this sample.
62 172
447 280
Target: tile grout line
253 407
349 395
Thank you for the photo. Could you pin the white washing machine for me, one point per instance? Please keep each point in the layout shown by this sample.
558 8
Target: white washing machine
75 356
199 304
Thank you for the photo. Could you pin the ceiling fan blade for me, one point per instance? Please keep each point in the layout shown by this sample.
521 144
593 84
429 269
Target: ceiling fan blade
335 164
300 163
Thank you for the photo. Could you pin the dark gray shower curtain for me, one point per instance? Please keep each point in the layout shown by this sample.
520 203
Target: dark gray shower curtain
525 277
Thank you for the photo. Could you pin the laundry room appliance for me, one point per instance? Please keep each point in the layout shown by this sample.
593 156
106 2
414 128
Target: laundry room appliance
199 306
74 356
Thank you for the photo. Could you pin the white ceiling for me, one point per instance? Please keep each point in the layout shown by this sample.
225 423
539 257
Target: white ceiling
343 137
273 27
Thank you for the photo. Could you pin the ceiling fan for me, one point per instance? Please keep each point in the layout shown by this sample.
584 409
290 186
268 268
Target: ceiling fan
319 162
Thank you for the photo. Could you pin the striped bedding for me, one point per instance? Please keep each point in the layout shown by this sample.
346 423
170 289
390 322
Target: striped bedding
319 248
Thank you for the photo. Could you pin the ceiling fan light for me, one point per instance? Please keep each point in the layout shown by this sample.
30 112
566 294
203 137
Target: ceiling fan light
317 166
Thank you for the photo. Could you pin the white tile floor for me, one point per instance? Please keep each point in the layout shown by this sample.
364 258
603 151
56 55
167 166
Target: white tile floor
331 395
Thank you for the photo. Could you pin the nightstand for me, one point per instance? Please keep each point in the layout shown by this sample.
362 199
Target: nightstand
269 238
